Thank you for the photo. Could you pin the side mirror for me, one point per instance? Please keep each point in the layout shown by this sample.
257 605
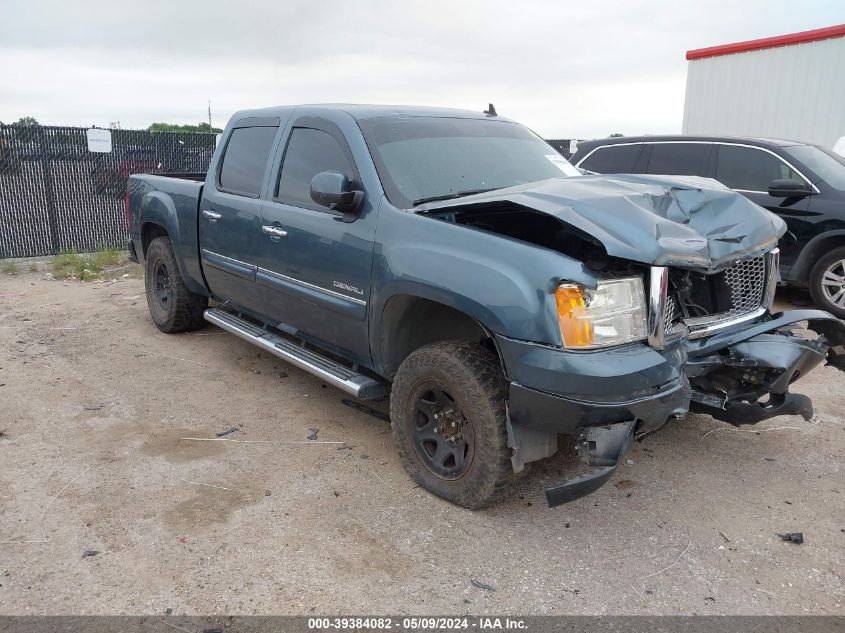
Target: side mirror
333 190
788 188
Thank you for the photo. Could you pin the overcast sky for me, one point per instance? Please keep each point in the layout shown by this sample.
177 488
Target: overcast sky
566 69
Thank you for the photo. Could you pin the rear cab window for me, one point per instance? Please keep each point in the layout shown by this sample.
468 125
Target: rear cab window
679 159
244 161
613 159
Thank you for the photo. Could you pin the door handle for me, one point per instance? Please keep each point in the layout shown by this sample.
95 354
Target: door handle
273 231
212 216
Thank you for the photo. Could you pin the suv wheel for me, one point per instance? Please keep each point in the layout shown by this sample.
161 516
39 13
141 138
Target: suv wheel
827 282
173 307
447 410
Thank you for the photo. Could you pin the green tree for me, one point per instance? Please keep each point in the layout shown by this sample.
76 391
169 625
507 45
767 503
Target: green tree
175 127
616 135
27 121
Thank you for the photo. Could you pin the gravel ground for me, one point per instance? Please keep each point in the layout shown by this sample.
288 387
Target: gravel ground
94 403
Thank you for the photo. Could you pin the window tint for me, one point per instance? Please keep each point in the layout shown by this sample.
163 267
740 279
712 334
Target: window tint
613 159
679 159
245 159
309 152
750 169
828 166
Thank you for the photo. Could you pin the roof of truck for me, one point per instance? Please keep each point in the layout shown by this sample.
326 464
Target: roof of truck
365 111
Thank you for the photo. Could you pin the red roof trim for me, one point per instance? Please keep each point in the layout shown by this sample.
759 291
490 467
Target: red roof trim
768 42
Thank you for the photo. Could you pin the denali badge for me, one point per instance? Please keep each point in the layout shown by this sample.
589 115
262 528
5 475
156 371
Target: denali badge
337 284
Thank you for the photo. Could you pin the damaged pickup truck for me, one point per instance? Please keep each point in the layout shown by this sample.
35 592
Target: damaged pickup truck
455 262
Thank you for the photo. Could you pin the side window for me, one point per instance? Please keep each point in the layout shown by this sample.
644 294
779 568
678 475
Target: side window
751 169
247 151
308 153
613 159
679 159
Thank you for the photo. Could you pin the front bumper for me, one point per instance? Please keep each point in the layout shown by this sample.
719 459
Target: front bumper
592 395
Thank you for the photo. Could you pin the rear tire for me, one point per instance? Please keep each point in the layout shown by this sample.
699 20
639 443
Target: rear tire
173 307
827 282
447 410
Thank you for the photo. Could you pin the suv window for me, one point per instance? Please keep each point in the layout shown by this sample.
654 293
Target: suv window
679 159
613 159
245 159
308 153
751 169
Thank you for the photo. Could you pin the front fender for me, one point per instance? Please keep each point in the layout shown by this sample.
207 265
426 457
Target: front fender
505 284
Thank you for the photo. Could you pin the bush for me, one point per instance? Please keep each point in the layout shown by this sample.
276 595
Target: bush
86 266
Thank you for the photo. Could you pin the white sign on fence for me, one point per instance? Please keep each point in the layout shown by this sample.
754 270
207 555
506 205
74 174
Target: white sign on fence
99 140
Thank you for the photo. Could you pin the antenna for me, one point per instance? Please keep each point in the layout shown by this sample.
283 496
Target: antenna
491 110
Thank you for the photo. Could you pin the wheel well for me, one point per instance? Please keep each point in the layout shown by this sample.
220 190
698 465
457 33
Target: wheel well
149 232
811 254
409 323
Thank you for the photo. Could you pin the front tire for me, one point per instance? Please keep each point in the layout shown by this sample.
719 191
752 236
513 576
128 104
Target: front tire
173 307
827 282
447 411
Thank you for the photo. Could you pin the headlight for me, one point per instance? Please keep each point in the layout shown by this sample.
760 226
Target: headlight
612 314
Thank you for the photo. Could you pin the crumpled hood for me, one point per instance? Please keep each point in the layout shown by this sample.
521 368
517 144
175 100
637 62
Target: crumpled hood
683 221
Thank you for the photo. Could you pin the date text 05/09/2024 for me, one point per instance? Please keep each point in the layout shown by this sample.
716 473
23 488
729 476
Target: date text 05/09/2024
417 623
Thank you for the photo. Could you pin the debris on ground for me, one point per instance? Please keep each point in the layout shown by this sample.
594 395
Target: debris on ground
793 537
234 429
724 536
364 456
365 409
89 552
313 435
283 375
482 585
622 484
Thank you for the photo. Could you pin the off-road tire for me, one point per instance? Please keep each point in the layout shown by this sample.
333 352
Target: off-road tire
474 377
183 311
815 281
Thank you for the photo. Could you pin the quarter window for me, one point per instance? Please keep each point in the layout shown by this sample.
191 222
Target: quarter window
751 169
245 159
679 159
613 159
309 152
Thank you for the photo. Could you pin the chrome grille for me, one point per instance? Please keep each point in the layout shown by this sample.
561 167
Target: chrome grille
747 282
669 317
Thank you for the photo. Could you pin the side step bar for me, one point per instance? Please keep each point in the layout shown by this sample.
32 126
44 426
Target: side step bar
361 386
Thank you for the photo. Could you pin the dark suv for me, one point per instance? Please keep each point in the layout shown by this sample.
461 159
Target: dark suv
803 184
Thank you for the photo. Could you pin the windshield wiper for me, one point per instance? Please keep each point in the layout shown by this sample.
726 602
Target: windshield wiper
452 196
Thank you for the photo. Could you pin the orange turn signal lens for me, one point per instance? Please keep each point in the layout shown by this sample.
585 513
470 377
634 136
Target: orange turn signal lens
575 327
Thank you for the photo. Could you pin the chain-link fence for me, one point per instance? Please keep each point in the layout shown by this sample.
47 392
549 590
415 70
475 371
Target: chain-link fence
56 195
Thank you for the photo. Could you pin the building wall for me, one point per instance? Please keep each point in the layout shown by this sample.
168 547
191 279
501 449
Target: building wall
791 92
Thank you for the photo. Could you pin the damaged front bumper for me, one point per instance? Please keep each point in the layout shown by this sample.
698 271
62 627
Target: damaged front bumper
741 376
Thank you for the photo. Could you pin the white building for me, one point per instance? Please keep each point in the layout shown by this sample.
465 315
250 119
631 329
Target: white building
790 87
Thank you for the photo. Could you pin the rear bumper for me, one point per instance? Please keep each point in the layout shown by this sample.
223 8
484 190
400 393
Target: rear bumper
133 255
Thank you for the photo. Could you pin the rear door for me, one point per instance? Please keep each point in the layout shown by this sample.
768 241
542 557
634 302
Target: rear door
314 272
749 171
230 213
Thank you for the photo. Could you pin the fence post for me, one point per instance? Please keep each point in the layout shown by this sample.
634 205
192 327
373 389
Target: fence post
49 191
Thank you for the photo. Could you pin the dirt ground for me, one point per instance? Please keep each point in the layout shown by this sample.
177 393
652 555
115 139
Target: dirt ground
95 403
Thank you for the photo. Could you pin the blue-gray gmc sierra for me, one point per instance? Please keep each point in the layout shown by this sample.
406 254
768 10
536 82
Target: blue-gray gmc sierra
457 262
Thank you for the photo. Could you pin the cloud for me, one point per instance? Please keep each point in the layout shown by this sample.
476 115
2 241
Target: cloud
564 69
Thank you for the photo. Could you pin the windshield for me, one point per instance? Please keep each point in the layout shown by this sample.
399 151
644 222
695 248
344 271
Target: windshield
424 158
827 166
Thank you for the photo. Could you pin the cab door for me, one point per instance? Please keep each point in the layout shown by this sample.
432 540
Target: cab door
314 269
230 213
